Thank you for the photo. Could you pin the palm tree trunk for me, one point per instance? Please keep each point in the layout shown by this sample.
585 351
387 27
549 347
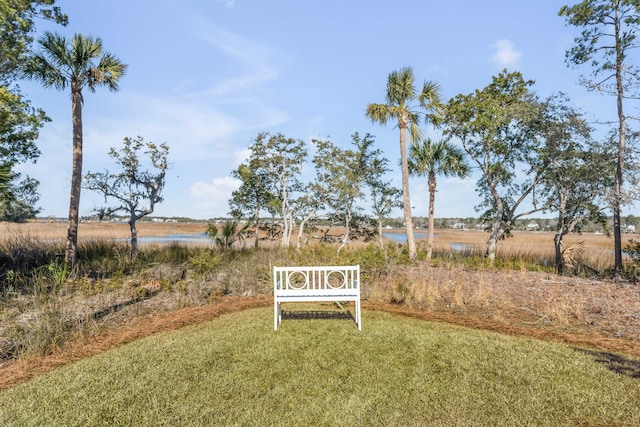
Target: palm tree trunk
406 199
432 201
76 177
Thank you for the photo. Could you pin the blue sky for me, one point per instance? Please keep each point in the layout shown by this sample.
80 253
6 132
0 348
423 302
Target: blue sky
206 76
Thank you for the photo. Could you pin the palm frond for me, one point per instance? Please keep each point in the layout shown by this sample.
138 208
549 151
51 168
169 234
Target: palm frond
400 86
415 133
438 157
85 49
430 99
378 113
430 94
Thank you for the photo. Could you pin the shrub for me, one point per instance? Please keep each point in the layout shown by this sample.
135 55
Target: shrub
204 261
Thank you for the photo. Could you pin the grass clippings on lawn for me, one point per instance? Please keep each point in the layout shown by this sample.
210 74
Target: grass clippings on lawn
236 370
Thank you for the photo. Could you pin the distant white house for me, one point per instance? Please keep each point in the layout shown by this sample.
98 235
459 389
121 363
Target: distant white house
459 225
532 226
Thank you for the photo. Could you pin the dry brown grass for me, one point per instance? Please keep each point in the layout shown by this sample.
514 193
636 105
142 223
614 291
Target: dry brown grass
591 310
597 248
22 370
582 311
98 230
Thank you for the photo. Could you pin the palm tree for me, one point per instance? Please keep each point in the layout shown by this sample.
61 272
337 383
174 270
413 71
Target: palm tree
436 158
400 99
74 64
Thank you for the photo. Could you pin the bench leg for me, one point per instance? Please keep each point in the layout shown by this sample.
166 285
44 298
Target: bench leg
277 314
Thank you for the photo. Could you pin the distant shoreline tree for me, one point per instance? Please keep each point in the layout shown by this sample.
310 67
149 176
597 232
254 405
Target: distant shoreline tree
498 127
401 94
253 195
578 172
384 196
430 159
609 32
270 180
77 64
135 190
318 191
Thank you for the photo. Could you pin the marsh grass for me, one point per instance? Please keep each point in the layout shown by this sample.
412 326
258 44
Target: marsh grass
44 307
533 251
237 371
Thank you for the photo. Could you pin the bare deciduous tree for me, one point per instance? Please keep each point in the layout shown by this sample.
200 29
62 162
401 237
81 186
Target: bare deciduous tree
134 190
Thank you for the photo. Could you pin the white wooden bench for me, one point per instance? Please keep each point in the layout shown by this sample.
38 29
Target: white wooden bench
320 283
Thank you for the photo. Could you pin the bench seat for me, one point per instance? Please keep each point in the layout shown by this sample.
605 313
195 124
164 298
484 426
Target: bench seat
315 283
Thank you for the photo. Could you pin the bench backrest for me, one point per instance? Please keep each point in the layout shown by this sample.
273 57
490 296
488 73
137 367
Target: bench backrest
320 279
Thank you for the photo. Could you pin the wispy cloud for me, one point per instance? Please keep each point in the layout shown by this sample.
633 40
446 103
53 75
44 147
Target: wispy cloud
241 155
228 3
506 55
211 199
255 60
206 120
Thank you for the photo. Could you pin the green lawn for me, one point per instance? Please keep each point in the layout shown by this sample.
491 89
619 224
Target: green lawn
398 371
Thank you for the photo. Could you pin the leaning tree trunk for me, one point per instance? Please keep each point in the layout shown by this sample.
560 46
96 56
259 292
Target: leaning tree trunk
492 243
134 237
497 228
71 251
303 223
557 241
347 230
491 247
406 199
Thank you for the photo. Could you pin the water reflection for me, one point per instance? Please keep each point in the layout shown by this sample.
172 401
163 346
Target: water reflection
402 237
460 247
192 239
204 239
